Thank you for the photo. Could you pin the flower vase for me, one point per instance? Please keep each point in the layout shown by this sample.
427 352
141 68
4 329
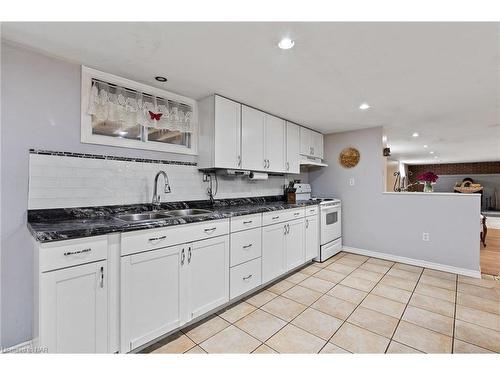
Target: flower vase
427 187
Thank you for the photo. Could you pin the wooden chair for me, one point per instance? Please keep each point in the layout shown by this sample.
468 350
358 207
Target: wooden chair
484 230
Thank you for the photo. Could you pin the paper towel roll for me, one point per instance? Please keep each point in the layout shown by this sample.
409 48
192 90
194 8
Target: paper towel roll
257 176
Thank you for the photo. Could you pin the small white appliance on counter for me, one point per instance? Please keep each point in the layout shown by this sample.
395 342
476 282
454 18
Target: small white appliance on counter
330 220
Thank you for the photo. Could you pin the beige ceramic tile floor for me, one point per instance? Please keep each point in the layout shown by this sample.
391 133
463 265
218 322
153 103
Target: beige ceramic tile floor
355 304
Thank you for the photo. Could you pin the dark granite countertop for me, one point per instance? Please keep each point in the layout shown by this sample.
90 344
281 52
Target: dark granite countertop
68 223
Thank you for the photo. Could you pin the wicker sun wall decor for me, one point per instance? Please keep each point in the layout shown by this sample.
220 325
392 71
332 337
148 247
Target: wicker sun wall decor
349 157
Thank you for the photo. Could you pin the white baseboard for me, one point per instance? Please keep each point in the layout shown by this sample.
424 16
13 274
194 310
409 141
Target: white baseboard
414 262
21 347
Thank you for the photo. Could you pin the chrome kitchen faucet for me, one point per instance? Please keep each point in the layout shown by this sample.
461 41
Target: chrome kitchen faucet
156 196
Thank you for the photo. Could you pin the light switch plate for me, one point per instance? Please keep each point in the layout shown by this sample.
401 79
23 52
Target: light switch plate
351 181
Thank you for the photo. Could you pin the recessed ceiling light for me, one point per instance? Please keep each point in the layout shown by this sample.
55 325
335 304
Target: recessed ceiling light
364 106
161 79
286 43
435 157
431 152
415 135
425 146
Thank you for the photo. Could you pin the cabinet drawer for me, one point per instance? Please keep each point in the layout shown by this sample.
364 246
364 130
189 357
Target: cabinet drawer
245 245
245 222
72 252
283 215
144 240
311 210
245 277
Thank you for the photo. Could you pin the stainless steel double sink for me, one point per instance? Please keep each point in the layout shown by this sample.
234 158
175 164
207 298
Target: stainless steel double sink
158 215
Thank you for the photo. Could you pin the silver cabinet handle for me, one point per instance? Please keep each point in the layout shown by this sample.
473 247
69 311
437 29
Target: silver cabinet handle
76 252
207 230
275 217
248 222
268 164
265 163
287 166
284 227
313 210
239 160
307 223
157 239
247 277
247 246
287 228
101 283
183 257
312 150
189 254
296 214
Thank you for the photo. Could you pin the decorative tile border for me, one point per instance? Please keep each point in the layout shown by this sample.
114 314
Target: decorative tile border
109 157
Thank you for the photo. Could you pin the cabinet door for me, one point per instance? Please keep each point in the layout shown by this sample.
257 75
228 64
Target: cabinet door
227 148
292 164
252 139
305 141
312 237
317 144
151 295
73 308
273 251
275 144
208 275
295 251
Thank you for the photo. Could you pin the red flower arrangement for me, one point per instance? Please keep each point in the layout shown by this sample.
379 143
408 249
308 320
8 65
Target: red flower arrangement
428 177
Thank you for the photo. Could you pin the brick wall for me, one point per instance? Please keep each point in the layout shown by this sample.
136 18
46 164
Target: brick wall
490 167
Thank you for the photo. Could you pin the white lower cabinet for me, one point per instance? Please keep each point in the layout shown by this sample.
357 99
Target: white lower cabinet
161 288
245 277
207 275
165 288
152 302
273 251
294 244
73 305
311 237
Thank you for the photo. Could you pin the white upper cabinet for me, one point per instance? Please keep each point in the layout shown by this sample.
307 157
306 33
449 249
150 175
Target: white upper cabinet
317 144
311 143
252 139
220 133
236 136
227 133
275 138
74 309
292 163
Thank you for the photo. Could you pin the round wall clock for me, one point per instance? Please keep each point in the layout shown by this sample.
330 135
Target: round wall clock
349 157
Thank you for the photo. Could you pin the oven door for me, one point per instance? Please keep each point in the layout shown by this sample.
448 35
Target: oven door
330 223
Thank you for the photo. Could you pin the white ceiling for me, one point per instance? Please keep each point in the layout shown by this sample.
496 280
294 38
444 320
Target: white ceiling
439 79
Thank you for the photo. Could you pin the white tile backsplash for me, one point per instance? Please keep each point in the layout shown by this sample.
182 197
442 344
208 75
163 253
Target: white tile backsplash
62 181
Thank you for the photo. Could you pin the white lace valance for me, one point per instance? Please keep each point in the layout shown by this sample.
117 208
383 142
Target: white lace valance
131 108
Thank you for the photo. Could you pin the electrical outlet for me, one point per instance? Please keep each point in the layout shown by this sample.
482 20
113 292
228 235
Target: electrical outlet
425 236
351 181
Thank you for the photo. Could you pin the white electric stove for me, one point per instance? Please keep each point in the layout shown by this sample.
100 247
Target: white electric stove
330 219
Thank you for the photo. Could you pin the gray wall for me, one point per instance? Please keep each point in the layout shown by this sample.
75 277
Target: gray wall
393 223
40 109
